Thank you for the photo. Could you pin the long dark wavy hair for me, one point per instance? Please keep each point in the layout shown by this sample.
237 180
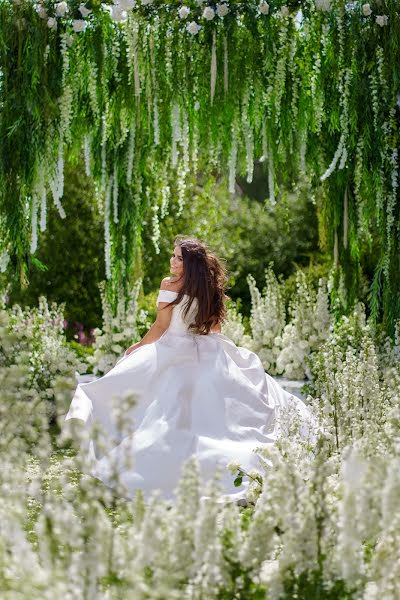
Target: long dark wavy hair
204 277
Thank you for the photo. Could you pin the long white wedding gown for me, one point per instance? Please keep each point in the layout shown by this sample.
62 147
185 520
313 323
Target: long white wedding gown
197 396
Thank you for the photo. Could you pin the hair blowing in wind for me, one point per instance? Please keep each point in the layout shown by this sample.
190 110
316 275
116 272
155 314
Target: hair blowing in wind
204 278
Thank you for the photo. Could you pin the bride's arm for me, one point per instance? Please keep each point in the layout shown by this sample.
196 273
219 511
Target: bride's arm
159 326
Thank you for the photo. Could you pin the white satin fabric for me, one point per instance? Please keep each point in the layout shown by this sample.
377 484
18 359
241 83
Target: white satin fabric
198 396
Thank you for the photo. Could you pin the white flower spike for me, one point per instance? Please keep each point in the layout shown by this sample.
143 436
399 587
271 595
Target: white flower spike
263 7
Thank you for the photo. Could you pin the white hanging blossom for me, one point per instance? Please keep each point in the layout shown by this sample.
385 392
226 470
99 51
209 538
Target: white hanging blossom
156 122
57 180
213 76
40 193
34 234
66 99
317 94
132 55
391 203
107 236
249 141
233 161
336 157
115 193
176 132
226 65
271 177
358 170
4 260
156 232
280 71
131 152
87 154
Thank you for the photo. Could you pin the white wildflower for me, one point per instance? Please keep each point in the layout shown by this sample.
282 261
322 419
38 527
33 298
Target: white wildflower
78 25
222 9
126 4
366 10
85 12
61 9
41 11
382 20
52 23
193 27
183 12
284 11
263 7
323 5
208 13
233 467
117 14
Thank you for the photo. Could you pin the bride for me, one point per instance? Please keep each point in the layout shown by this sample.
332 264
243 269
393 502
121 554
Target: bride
195 393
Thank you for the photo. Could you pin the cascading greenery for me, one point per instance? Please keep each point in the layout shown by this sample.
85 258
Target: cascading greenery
154 96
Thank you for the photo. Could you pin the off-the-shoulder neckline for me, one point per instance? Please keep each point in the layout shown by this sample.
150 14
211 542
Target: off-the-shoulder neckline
172 292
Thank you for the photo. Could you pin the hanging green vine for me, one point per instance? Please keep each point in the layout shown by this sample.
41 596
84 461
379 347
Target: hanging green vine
149 92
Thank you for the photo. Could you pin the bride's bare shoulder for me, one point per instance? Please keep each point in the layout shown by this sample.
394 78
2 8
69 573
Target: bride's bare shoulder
170 283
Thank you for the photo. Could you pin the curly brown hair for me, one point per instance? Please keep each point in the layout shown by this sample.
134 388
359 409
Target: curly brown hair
204 278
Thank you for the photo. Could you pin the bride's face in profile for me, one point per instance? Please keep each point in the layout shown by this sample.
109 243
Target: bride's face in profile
176 262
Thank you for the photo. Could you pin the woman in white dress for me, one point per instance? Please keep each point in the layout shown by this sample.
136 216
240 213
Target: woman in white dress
197 395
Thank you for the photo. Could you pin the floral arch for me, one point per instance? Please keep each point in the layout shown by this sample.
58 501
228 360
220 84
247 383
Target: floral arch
155 91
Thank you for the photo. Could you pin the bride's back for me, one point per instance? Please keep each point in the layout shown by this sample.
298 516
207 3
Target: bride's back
179 322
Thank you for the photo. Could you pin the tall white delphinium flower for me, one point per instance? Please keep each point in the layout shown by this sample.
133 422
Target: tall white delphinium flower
182 522
267 319
118 332
308 328
261 537
349 549
234 329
